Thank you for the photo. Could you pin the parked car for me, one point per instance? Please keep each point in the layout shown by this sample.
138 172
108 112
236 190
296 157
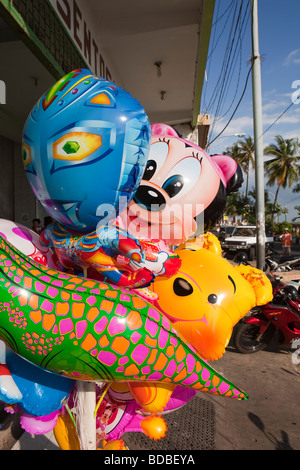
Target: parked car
243 239
225 232
214 231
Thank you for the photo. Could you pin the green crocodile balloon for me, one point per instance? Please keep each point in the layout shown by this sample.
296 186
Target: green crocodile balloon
89 330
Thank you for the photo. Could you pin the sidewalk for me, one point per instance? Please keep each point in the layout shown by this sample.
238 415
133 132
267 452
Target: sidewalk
30 442
269 420
292 276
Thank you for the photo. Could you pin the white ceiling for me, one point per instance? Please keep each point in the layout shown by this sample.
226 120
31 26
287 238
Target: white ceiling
134 34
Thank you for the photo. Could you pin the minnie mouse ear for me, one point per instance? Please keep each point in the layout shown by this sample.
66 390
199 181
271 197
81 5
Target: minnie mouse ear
235 181
231 170
158 130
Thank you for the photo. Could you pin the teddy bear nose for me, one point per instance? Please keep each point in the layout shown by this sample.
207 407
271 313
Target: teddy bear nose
150 198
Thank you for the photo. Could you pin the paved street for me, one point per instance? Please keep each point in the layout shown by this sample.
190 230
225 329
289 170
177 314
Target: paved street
269 420
295 247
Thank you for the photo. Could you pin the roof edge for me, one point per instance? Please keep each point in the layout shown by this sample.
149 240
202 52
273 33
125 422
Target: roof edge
204 38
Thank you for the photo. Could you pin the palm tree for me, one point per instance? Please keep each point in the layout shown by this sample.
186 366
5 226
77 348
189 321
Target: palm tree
296 189
285 211
297 208
283 168
243 153
269 207
232 206
236 204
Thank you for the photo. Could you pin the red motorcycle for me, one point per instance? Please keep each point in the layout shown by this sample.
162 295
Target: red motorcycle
255 331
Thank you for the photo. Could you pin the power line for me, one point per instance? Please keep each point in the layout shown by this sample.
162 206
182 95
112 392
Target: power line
230 58
268 128
208 60
285 111
232 53
223 14
219 37
220 78
274 122
240 66
236 108
225 79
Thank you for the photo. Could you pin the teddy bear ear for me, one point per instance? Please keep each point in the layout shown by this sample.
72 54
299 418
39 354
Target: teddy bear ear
259 281
162 130
231 170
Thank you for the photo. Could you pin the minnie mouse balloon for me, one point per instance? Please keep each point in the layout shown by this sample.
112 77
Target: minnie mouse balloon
183 189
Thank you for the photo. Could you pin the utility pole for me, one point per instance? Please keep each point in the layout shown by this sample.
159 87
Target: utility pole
258 140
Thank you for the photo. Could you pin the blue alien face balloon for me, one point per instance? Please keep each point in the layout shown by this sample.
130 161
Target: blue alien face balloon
85 144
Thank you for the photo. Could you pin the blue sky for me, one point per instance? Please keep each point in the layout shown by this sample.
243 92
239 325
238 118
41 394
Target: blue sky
279 46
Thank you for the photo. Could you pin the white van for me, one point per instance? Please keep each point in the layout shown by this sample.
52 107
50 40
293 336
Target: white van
243 239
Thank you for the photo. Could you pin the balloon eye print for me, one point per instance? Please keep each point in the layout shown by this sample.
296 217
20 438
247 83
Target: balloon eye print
76 146
182 287
27 158
183 177
26 154
157 157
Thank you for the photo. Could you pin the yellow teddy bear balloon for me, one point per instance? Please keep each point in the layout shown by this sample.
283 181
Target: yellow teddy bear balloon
208 240
208 296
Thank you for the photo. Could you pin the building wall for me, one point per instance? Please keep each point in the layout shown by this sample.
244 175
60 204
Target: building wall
187 132
82 26
6 178
24 197
17 201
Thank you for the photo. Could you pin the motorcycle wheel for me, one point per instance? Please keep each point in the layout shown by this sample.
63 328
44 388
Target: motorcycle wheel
247 339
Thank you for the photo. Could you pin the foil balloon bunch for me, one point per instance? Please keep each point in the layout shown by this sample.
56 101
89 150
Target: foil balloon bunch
116 305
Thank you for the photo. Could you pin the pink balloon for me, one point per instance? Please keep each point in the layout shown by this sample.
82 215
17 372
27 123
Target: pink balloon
39 425
113 420
27 241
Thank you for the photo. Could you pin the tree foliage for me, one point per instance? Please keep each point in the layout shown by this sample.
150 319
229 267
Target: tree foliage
243 153
283 168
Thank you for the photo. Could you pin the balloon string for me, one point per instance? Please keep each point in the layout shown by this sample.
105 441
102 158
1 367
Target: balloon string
71 415
100 400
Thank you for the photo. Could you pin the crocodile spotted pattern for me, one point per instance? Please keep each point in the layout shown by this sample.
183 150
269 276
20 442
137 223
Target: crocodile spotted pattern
90 330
